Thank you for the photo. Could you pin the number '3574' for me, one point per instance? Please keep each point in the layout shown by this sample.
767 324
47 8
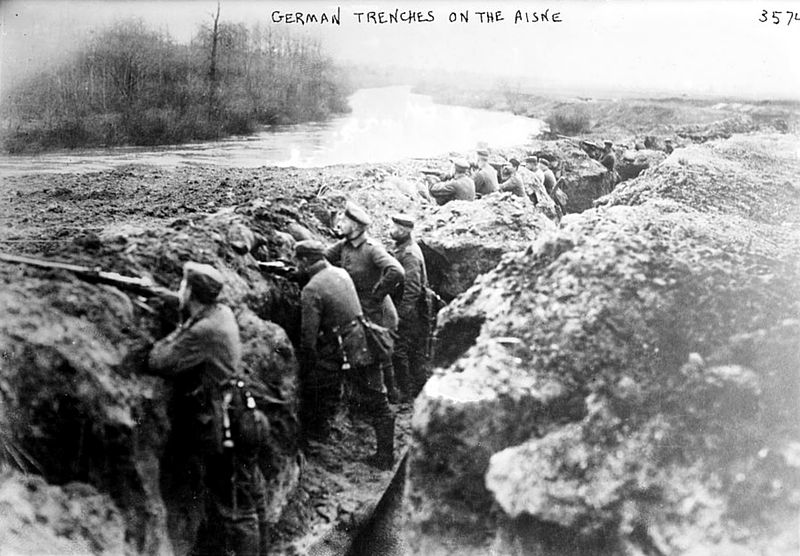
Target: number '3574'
776 18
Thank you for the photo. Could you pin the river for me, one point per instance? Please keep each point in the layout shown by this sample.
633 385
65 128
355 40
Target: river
386 124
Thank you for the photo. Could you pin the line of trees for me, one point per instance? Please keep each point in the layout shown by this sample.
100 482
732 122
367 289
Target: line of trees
133 85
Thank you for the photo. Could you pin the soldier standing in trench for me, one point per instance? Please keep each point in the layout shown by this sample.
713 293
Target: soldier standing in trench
409 358
533 178
202 354
609 160
375 273
332 338
486 177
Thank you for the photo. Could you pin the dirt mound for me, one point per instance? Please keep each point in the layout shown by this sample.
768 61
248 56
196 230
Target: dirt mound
750 176
723 129
583 176
464 239
632 163
77 401
36 518
620 386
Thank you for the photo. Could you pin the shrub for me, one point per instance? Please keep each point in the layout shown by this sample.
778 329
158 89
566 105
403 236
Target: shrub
569 120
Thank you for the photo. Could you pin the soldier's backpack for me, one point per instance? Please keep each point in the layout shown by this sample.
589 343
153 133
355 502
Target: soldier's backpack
244 427
380 340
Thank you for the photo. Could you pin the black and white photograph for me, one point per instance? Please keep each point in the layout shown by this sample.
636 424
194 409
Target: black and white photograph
374 278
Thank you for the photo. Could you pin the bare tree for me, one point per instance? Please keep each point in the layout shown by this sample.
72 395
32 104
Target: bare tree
212 70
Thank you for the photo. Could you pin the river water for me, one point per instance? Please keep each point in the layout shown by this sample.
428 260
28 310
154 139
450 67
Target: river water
385 124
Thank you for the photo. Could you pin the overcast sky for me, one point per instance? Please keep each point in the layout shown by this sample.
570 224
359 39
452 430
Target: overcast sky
671 46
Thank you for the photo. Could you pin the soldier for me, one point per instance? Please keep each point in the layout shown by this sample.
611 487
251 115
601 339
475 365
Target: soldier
332 334
461 187
199 356
513 182
549 178
668 146
533 178
527 176
609 161
409 359
375 273
486 177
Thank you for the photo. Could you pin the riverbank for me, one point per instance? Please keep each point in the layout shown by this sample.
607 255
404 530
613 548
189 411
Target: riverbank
629 120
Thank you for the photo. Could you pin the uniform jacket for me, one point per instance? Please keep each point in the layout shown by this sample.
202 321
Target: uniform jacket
375 274
202 353
485 180
514 185
609 160
410 256
461 188
205 349
329 303
549 181
534 185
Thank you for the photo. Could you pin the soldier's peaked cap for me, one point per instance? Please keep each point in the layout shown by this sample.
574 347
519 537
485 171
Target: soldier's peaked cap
309 247
460 163
357 214
482 152
403 220
607 142
531 158
544 162
205 280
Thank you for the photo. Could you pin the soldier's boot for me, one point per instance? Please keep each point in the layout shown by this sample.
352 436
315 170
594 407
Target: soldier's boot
387 369
383 458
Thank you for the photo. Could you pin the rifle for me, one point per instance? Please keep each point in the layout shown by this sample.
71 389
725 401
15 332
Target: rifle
285 270
280 268
436 173
140 286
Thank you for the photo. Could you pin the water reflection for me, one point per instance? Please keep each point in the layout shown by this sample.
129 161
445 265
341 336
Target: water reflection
386 124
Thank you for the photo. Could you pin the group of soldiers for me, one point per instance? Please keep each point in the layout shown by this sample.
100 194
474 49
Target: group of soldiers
364 319
533 181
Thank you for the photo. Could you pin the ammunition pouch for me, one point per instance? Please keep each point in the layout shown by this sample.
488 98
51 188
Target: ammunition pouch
353 344
380 340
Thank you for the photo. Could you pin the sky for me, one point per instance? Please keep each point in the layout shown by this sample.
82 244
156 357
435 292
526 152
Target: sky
684 47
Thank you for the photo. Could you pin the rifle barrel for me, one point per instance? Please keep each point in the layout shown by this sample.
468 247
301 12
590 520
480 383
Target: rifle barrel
89 274
8 257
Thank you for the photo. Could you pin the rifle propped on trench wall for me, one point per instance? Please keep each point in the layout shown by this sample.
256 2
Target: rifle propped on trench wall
140 286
